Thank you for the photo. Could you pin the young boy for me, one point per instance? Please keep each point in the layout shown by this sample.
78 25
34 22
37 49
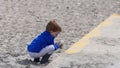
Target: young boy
43 45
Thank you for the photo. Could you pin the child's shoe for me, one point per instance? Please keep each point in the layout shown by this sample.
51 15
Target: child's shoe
45 59
36 59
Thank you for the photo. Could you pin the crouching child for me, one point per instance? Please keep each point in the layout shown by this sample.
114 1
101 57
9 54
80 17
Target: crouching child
43 45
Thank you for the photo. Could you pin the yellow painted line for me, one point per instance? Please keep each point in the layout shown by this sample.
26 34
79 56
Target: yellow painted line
76 47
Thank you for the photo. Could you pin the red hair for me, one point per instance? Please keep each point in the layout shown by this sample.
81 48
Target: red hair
53 26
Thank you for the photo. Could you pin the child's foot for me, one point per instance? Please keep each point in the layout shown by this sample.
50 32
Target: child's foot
36 59
45 59
44 62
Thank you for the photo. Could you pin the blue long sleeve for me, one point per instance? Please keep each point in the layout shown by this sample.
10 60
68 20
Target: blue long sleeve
41 41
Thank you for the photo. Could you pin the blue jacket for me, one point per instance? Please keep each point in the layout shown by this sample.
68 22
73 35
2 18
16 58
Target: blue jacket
41 41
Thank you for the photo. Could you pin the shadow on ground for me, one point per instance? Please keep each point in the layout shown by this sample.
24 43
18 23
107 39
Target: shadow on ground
28 62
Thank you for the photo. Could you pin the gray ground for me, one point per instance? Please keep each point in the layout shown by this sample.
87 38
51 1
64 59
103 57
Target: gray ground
22 20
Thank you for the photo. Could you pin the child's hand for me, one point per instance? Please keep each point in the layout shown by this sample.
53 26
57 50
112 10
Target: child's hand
60 45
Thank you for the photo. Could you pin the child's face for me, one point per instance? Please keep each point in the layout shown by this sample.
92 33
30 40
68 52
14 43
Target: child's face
55 34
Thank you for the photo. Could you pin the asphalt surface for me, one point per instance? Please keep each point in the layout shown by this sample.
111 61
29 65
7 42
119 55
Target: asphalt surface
101 48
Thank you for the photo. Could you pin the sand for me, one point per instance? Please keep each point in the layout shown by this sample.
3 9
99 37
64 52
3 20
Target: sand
22 20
